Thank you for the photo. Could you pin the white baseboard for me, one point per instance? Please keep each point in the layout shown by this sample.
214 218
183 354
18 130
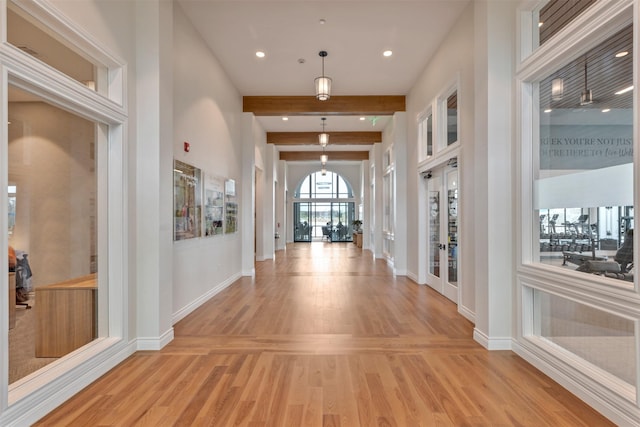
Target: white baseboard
412 276
190 308
249 273
467 314
155 343
54 392
503 343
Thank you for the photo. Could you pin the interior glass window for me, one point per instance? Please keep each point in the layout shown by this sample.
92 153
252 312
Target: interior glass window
584 185
425 130
317 185
53 233
604 340
553 15
452 118
27 35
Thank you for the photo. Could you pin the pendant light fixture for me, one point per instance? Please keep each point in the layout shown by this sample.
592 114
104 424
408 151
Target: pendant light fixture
323 138
323 83
557 89
586 97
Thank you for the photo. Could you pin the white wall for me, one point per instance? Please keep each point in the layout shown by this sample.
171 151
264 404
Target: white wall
208 115
280 209
494 49
455 57
376 212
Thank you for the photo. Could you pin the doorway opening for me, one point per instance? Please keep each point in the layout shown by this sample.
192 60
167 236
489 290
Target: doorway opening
330 221
323 209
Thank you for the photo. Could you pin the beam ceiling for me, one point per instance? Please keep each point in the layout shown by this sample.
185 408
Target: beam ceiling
335 106
335 138
315 155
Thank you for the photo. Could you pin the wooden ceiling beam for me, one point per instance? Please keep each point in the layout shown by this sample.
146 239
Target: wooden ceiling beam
292 156
335 138
374 105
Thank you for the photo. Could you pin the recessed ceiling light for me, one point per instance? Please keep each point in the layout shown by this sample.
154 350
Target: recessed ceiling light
625 90
363 118
387 53
540 24
622 53
548 110
322 21
260 54
285 119
606 110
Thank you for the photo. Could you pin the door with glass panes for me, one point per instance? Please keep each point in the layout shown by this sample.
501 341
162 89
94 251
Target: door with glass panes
442 231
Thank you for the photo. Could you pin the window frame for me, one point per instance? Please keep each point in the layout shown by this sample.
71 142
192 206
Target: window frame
441 144
528 73
423 140
108 111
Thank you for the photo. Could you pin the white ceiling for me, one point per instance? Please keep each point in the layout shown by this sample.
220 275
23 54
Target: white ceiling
355 34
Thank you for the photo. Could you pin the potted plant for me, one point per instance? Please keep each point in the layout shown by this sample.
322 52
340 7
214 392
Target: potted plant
357 224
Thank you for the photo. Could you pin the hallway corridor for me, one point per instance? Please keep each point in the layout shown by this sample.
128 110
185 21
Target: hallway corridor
324 336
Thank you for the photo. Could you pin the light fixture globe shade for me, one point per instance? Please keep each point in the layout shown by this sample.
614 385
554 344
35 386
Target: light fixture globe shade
586 97
323 139
557 89
323 88
324 158
323 171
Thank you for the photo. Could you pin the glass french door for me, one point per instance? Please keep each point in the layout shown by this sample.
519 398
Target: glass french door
311 217
302 228
442 209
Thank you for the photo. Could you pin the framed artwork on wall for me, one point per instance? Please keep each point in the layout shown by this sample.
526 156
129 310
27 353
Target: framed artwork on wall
213 205
231 207
187 201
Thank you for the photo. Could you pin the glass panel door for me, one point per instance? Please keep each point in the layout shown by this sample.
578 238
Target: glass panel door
434 226
309 218
451 284
342 214
443 246
301 222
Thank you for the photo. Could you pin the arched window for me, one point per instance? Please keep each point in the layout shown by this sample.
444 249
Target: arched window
327 186
324 217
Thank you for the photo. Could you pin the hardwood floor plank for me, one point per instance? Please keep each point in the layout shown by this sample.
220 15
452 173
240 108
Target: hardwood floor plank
324 335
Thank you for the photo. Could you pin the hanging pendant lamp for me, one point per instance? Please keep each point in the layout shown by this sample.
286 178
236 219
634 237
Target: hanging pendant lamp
323 83
323 138
586 97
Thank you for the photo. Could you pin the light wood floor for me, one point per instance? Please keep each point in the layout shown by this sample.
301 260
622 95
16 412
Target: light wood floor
325 336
